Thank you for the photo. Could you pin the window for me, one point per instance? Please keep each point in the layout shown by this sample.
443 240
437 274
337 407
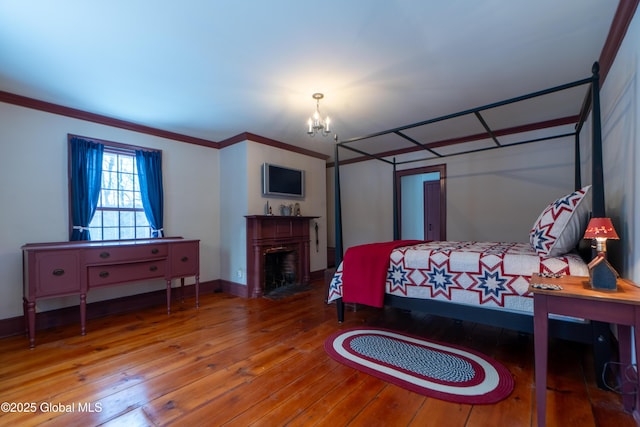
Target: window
120 213
115 191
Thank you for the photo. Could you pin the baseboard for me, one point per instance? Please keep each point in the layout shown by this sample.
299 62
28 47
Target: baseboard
71 315
318 275
235 289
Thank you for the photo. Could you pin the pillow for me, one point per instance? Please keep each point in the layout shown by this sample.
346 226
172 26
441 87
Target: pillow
561 225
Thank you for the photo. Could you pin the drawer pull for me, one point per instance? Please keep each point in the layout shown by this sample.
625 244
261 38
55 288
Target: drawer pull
105 255
184 259
153 268
58 272
155 251
104 274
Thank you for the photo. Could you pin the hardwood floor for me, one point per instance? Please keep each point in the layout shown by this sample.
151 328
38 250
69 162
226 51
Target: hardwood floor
238 362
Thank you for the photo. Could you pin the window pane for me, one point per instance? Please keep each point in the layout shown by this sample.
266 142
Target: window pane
109 198
96 221
127 232
110 233
138 201
126 181
127 219
126 164
141 219
109 180
109 162
96 233
110 218
143 232
126 199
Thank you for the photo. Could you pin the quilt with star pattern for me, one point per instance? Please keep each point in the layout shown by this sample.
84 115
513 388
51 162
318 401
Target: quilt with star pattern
488 274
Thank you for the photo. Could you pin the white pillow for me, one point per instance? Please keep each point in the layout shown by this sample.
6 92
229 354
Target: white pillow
561 225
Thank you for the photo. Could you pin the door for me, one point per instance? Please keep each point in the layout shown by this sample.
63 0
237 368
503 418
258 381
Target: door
431 199
421 198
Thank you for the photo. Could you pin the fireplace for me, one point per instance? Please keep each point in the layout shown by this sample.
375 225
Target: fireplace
277 252
280 268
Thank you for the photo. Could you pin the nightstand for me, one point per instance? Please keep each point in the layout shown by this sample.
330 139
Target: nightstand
578 299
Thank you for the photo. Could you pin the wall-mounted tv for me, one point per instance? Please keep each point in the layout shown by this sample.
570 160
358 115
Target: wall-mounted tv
281 181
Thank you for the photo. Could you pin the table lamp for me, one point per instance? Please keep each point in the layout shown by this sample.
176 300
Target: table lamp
601 274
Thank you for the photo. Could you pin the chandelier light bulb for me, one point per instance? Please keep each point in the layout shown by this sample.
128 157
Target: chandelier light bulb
316 123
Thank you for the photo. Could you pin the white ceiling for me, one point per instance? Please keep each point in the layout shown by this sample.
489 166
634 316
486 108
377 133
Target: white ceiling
214 69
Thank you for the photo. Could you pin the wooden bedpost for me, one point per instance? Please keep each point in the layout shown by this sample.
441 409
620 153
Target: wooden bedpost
597 177
396 230
601 331
338 222
577 183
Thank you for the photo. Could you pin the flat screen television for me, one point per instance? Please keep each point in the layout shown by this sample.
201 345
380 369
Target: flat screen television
281 181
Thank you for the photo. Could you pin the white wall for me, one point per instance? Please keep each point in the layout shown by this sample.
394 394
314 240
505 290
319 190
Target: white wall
241 194
367 202
233 206
621 137
314 203
491 196
34 196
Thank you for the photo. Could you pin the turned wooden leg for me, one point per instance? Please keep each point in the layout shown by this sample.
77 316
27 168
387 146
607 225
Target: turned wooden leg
30 313
83 314
197 291
540 331
168 296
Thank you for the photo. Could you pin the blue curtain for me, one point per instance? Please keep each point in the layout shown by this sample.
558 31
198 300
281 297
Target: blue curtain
150 176
86 173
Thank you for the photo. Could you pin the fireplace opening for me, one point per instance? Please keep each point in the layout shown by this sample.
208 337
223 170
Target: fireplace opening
280 269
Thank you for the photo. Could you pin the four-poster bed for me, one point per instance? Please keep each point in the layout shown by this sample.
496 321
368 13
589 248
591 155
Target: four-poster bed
538 257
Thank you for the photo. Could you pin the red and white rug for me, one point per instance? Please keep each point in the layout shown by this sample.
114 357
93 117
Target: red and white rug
430 368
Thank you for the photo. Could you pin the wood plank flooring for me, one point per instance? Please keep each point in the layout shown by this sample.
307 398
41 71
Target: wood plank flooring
238 362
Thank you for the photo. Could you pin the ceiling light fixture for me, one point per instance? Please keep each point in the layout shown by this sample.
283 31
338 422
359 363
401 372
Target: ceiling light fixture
315 122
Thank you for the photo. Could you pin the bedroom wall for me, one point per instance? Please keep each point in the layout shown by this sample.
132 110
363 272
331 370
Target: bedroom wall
314 203
233 206
492 195
241 194
367 202
620 95
34 197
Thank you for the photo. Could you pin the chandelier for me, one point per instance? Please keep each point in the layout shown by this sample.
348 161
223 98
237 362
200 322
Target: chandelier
315 122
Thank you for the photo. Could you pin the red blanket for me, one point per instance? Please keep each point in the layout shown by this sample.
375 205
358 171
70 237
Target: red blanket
364 271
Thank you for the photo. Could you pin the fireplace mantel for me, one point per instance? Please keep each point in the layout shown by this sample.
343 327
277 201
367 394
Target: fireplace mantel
269 231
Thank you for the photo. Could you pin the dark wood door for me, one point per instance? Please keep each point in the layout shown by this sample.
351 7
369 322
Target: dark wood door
431 210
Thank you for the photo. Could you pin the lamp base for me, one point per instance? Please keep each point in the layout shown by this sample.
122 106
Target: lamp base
602 275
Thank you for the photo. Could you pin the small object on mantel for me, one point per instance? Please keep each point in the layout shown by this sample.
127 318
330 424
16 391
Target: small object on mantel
602 275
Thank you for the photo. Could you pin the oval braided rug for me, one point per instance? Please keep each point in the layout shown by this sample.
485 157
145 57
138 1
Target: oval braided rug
430 368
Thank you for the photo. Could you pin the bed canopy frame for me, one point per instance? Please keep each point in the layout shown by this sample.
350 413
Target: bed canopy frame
596 333
591 103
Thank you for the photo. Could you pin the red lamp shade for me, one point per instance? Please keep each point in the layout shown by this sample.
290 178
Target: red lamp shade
600 228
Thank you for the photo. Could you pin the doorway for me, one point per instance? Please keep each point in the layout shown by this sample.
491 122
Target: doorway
421 203
431 211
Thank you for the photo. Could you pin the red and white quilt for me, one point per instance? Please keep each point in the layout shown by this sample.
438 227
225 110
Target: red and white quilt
488 274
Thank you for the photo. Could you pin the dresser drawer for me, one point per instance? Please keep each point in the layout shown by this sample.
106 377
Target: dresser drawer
131 253
185 259
103 275
57 273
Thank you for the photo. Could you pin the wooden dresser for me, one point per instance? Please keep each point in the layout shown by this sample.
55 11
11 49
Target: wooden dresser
73 268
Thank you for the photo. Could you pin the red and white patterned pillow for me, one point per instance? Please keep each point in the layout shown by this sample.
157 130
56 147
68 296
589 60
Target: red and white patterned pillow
561 225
